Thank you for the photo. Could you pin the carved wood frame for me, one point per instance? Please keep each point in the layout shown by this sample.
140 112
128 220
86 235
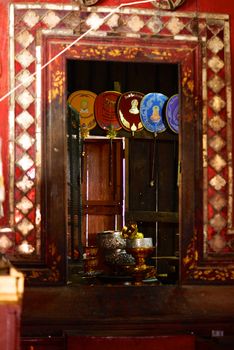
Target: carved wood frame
200 45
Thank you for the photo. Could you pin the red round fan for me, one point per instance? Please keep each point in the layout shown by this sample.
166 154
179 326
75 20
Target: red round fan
128 111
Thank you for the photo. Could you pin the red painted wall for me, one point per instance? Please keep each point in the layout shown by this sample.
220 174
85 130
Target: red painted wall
214 6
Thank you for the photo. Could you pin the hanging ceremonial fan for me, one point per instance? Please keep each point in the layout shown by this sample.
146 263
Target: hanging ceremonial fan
128 111
172 113
106 117
105 110
151 114
83 102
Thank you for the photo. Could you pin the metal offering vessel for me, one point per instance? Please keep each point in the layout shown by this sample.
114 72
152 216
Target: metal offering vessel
141 248
113 247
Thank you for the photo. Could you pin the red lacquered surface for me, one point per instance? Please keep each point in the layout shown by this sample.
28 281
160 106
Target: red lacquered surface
177 342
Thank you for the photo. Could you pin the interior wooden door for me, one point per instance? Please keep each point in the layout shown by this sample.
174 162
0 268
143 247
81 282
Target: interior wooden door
102 187
95 187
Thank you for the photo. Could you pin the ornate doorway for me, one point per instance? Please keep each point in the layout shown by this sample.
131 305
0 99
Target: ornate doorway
199 45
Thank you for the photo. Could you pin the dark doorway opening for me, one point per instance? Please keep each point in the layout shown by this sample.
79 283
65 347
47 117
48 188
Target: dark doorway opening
153 208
